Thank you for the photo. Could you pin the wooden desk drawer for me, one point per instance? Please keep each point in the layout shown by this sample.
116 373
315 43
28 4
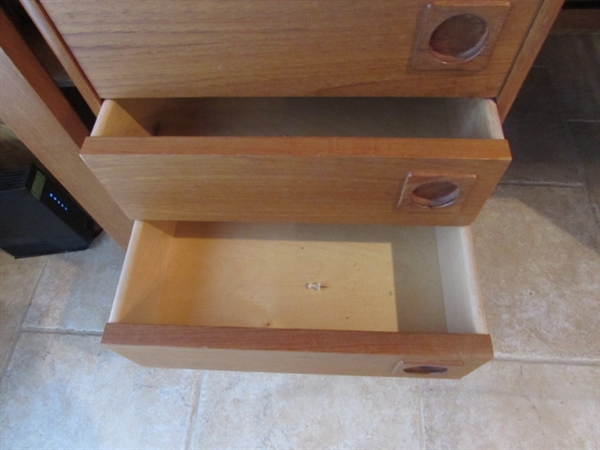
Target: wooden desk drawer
332 160
182 48
343 299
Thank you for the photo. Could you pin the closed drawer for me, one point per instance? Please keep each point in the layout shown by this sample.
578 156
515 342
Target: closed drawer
398 161
182 48
330 299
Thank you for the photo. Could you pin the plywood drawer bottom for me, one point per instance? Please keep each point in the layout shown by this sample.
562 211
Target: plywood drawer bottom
302 298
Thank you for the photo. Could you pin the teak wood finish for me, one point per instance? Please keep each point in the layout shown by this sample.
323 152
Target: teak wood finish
239 297
37 112
465 32
132 49
544 18
296 160
63 53
129 49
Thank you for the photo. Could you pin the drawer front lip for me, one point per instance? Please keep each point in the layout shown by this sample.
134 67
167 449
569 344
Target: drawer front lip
316 147
329 180
298 351
453 346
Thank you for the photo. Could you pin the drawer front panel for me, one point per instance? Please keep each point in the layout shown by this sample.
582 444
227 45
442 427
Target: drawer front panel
300 351
179 48
352 180
367 160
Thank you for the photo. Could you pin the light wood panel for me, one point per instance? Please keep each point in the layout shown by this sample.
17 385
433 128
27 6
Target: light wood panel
131 49
44 121
285 276
242 297
227 160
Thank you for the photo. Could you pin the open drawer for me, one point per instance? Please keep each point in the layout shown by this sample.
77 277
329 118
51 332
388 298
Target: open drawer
404 161
305 298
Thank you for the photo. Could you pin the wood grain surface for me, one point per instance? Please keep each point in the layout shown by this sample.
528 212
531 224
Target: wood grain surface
297 351
352 180
455 35
284 160
324 277
62 52
129 48
42 118
235 297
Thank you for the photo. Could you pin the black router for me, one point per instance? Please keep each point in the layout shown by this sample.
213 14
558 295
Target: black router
39 217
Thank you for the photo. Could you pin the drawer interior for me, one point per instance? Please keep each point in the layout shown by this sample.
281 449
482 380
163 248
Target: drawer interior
300 276
302 117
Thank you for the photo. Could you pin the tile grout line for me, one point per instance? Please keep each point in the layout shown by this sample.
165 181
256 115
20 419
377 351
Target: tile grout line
586 185
549 361
13 344
422 437
577 154
60 332
198 386
594 208
550 184
582 120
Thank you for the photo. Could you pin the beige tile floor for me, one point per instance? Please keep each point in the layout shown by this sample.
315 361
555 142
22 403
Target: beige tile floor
538 247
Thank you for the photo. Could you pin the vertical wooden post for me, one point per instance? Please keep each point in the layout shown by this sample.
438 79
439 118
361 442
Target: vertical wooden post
35 109
529 51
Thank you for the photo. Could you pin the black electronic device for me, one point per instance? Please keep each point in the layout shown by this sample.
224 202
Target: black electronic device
39 217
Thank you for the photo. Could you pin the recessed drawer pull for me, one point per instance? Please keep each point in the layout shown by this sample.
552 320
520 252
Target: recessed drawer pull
441 193
458 36
426 370
435 194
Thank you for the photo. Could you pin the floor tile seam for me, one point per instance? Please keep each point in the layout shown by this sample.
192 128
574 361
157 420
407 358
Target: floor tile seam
198 387
421 403
30 329
582 120
578 159
20 328
581 166
595 209
550 361
551 184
